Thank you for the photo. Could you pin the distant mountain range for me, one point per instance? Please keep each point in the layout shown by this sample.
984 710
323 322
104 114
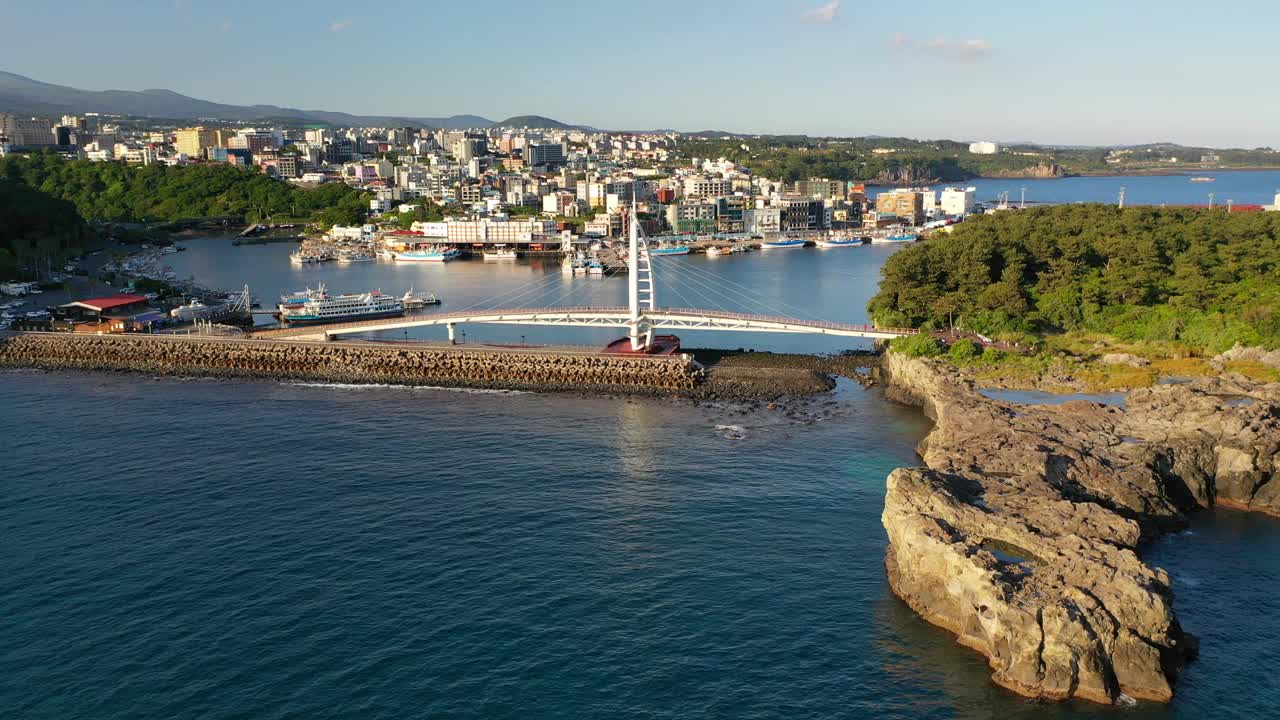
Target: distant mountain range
25 96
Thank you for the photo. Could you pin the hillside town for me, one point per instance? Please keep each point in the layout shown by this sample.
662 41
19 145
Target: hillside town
523 187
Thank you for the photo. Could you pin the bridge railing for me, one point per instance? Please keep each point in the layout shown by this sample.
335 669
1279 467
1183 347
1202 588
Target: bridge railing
461 316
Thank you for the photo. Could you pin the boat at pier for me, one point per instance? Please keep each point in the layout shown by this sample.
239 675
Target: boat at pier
714 251
416 301
318 306
500 253
347 257
670 250
782 244
901 236
426 255
835 242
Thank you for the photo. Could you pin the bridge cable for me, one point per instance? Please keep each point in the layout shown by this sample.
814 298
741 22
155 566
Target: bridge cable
748 302
753 297
690 281
510 297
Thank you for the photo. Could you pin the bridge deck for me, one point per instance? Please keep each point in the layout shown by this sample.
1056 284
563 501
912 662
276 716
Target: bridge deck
663 318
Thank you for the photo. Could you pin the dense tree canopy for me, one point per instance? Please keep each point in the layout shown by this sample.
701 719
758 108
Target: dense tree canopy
1207 278
116 192
35 226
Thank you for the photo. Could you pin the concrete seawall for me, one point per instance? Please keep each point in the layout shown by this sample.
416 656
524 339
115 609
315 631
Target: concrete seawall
352 363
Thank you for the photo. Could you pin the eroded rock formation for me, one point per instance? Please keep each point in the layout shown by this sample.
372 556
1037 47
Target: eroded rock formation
1021 535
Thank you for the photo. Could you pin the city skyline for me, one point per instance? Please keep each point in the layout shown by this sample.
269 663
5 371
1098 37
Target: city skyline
835 68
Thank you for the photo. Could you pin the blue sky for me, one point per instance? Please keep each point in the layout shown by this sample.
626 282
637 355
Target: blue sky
1080 72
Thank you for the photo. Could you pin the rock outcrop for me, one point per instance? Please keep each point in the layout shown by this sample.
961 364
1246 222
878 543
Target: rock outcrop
1021 535
1041 170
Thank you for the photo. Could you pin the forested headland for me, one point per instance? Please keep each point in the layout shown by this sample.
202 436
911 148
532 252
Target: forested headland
51 207
1202 280
117 192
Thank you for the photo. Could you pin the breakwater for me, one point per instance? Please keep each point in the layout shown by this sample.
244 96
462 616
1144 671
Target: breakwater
352 363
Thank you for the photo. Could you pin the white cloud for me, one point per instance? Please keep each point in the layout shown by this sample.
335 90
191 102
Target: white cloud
823 13
225 26
339 25
965 50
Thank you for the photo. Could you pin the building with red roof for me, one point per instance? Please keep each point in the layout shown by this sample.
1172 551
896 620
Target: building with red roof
117 313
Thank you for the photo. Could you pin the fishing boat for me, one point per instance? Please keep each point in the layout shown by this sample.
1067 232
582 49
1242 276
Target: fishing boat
899 237
595 267
670 250
318 306
426 255
714 251
574 265
303 258
347 257
782 244
501 252
1203 179
835 242
416 301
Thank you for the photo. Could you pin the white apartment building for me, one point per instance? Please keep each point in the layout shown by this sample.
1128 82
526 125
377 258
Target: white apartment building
984 148
958 201
695 187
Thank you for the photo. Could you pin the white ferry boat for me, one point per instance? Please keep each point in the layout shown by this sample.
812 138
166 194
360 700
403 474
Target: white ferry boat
318 306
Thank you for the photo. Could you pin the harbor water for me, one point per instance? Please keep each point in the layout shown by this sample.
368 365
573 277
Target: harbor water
189 548
1240 187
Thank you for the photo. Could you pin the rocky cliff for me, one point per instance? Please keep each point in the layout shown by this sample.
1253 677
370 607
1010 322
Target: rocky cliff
1021 535
1041 170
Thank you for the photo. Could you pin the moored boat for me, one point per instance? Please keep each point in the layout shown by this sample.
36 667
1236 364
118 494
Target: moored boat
426 255
670 250
318 306
835 242
782 244
500 253
415 301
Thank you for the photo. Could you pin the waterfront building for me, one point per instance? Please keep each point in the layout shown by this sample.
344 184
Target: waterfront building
984 148
730 214
761 220
907 204
804 214
692 217
958 201
120 313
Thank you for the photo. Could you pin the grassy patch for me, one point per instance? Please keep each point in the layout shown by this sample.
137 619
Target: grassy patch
1254 370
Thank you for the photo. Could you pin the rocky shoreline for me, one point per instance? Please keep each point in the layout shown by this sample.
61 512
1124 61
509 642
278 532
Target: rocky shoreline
1022 533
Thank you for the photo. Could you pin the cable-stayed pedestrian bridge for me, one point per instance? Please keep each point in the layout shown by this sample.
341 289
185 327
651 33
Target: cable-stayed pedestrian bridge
612 317
722 302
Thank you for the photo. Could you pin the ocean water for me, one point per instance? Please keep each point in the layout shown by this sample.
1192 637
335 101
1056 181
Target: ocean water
187 548
1242 187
